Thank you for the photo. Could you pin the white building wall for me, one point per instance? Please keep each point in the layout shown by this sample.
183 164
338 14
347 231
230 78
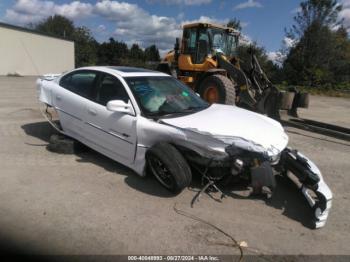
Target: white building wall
27 53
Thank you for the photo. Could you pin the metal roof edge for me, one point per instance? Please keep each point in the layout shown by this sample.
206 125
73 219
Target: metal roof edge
27 30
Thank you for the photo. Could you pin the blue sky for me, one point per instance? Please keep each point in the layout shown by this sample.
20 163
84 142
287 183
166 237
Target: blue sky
158 21
264 24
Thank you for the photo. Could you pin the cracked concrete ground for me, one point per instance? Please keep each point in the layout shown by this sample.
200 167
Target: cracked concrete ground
87 204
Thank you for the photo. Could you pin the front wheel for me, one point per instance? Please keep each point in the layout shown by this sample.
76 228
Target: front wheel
218 89
169 167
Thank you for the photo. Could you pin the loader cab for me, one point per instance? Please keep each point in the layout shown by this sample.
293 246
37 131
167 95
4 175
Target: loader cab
201 41
195 61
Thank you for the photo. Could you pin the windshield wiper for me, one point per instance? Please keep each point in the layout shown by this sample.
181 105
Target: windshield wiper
190 109
195 108
163 113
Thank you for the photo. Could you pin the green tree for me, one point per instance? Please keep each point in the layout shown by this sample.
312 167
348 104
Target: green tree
243 53
235 24
85 44
104 54
89 52
85 47
340 63
315 12
57 26
152 54
319 56
136 52
112 53
272 70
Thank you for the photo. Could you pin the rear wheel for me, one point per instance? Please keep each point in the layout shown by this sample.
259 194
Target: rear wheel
169 167
218 89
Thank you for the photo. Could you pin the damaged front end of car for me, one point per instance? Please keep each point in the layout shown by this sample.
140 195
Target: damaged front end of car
222 159
305 174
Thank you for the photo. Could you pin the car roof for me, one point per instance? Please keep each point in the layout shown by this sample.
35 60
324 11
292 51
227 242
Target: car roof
124 71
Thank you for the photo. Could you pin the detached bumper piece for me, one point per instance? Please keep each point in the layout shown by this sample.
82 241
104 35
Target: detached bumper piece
305 174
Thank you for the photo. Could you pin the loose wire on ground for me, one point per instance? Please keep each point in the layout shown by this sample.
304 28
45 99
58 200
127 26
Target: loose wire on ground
261 254
234 244
31 144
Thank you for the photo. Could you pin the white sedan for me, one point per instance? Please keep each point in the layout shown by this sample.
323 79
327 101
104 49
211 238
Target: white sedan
148 120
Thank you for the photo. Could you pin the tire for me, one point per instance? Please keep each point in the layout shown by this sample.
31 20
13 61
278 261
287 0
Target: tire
303 100
165 157
225 90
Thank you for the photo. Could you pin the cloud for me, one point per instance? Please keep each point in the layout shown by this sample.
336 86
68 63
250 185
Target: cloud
180 16
288 42
248 4
277 57
132 24
118 11
101 28
206 19
345 3
345 13
74 10
135 25
244 24
296 10
245 40
179 2
33 11
274 56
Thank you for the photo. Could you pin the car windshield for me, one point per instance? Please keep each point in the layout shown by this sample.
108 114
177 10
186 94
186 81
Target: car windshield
164 96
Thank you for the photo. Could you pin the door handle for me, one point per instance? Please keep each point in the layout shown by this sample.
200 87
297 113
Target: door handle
59 98
92 112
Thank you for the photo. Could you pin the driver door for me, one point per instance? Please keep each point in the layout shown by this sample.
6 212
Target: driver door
113 132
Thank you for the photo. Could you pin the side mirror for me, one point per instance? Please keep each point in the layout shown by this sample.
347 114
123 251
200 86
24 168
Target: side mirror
120 106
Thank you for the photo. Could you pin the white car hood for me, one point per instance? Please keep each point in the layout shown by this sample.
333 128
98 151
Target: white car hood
231 121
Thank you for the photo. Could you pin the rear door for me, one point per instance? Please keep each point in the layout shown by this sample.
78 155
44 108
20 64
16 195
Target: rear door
70 100
111 131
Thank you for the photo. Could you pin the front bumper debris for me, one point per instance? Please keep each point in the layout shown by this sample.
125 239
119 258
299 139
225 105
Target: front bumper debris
305 174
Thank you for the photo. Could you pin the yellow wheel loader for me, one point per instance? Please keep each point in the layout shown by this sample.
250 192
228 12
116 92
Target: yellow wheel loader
206 60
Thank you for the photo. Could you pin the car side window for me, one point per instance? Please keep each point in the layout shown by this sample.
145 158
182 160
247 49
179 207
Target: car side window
110 88
80 83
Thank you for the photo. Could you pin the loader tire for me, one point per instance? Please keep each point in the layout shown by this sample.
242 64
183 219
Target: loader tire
303 100
169 167
218 89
